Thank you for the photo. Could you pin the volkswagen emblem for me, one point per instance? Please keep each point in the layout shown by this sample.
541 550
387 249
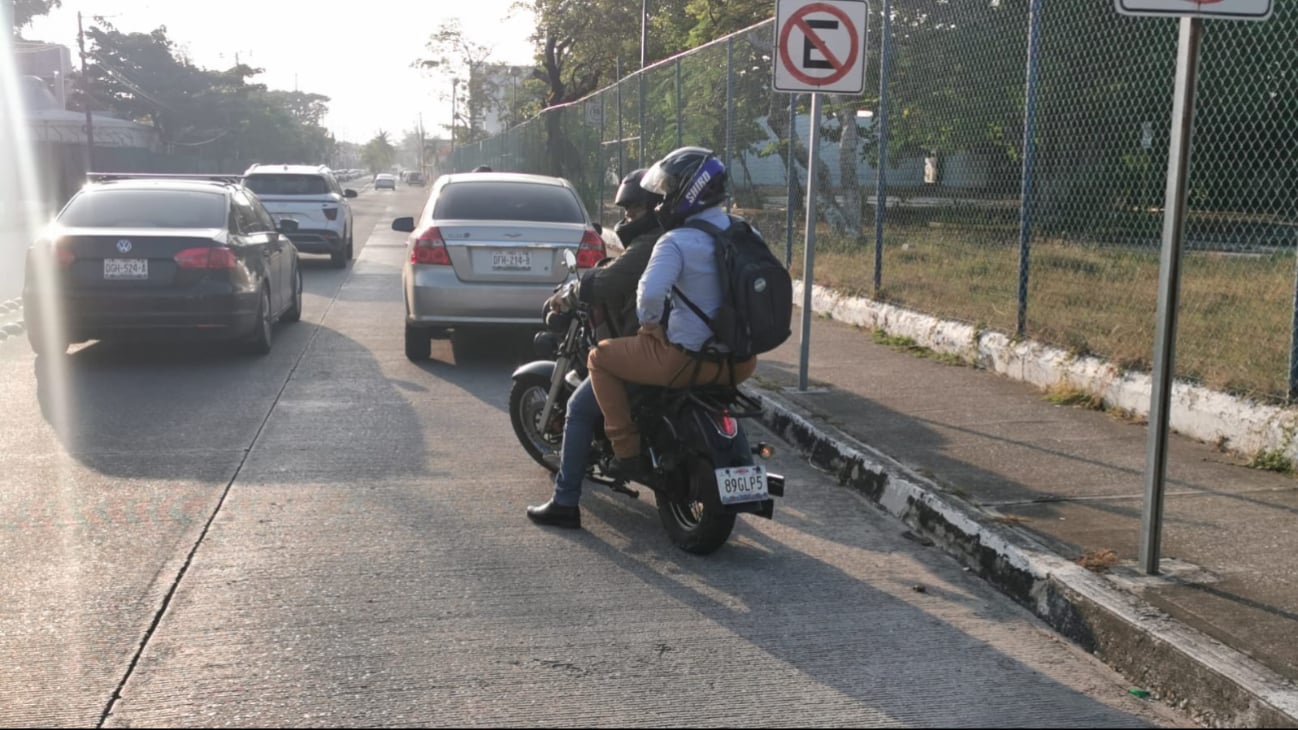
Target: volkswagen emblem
124 246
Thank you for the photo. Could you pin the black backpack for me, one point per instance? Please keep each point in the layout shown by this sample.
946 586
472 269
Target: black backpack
756 291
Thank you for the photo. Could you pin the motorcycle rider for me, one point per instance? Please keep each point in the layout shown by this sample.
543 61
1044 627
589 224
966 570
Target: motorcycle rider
613 285
692 182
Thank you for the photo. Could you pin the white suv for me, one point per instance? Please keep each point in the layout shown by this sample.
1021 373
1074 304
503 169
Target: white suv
310 196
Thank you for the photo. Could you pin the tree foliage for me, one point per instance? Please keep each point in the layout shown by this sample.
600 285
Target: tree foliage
27 10
378 154
216 115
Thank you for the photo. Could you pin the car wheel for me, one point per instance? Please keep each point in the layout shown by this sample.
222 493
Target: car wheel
339 259
419 346
261 335
351 249
294 312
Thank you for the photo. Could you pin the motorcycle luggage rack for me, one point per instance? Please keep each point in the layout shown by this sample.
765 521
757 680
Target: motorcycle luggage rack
720 402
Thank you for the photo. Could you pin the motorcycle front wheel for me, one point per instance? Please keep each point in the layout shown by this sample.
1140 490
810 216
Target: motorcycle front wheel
697 526
526 401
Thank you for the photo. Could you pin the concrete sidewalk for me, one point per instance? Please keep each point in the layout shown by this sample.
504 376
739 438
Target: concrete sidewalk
1021 490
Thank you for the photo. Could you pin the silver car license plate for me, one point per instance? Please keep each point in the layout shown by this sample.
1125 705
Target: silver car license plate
511 260
126 268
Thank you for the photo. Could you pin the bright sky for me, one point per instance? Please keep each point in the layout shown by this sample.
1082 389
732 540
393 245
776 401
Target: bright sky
358 54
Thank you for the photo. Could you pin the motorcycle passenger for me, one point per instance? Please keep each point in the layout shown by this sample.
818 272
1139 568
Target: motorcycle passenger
613 285
692 182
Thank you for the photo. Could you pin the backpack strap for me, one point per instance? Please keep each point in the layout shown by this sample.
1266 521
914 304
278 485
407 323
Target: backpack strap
711 230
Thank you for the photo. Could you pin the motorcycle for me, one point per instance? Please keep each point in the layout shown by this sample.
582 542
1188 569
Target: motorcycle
703 471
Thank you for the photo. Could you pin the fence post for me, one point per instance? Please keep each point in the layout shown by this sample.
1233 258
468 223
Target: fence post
679 131
1029 162
881 125
640 162
621 161
791 182
730 112
1293 344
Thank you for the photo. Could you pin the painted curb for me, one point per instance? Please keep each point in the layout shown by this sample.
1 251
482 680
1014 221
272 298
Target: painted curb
1181 666
1207 415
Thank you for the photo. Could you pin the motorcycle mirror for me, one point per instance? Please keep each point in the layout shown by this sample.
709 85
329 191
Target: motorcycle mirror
570 260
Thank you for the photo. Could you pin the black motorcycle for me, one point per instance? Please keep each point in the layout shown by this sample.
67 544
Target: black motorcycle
703 471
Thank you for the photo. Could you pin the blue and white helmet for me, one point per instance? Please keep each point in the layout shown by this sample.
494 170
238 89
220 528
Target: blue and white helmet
690 179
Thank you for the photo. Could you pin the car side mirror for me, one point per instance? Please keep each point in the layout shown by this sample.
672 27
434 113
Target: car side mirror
598 228
286 226
349 193
405 225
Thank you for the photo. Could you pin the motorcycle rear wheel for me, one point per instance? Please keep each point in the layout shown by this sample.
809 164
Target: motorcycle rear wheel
526 401
696 526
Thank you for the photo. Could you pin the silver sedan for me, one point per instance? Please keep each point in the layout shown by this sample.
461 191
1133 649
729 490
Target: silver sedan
487 250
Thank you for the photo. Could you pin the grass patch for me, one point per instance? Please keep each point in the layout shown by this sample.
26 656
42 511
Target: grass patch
1272 460
901 343
1084 297
1065 394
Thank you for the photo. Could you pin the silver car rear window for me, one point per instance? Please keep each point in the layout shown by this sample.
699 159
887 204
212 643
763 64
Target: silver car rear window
287 184
509 201
145 209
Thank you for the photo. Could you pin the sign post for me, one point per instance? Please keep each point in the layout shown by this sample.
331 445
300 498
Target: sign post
1192 14
820 48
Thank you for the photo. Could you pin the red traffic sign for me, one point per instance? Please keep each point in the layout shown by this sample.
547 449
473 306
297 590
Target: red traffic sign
820 46
1222 9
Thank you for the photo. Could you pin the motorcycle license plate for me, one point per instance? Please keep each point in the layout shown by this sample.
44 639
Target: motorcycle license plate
739 484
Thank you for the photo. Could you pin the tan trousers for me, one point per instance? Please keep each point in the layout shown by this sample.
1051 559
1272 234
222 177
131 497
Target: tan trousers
648 360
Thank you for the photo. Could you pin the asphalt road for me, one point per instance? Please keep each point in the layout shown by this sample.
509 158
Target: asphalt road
331 535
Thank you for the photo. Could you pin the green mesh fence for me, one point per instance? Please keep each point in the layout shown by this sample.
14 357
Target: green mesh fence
1077 266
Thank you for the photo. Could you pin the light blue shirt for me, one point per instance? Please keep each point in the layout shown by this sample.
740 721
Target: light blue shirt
686 258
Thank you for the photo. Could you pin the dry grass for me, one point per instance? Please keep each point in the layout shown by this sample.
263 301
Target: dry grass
1234 321
1098 561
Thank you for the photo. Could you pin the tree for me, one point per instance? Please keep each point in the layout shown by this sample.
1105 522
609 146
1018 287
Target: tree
27 10
214 115
378 154
453 54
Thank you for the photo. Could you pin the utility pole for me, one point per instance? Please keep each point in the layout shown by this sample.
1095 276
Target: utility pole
421 143
89 155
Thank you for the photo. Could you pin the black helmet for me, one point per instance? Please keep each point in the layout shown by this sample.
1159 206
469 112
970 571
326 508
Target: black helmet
482 168
689 179
630 193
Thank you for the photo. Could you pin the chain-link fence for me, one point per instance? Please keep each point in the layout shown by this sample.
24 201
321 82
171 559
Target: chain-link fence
1023 176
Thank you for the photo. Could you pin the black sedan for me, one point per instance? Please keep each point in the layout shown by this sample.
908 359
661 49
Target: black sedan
167 257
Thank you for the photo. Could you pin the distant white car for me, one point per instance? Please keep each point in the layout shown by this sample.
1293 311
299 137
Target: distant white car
310 196
384 180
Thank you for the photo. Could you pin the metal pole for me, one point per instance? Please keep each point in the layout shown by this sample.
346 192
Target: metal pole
1293 346
679 131
1169 280
621 153
1029 162
89 156
730 113
881 123
809 254
791 182
640 112
644 30
454 83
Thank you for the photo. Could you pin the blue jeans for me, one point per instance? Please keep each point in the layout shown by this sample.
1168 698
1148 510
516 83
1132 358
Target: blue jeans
578 430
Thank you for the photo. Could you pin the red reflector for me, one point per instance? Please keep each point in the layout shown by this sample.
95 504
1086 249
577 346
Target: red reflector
590 251
207 257
64 256
331 213
429 248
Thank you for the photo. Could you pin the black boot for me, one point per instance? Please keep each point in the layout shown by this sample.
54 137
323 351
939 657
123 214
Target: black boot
556 515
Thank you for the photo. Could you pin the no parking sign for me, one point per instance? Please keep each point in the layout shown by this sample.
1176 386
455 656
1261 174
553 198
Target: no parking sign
820 46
